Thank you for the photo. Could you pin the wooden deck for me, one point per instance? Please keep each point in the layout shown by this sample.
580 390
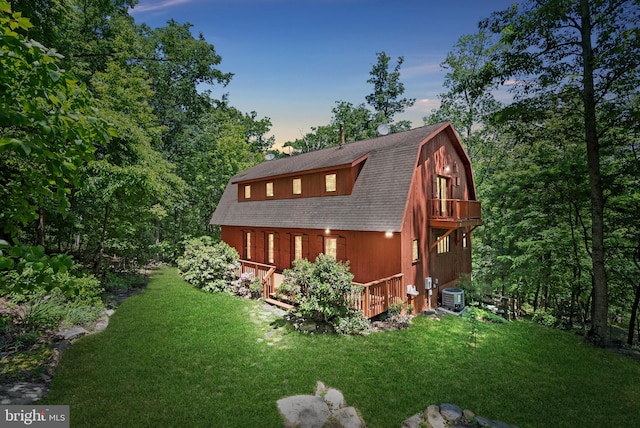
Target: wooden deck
374 298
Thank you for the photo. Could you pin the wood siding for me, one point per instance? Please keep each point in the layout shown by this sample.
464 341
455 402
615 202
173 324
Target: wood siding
371 255
437 158
313 185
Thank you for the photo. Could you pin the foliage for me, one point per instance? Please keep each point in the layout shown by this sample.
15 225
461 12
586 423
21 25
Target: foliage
546 318
471 315
387 88
323 291
48 126
576 62
211 267
247 286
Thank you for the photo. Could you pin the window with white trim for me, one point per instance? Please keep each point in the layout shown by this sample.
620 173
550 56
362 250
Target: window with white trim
269 189
297 186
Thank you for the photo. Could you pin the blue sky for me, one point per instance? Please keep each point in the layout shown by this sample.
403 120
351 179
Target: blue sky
293 59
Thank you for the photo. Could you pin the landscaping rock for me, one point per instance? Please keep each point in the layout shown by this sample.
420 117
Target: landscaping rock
348 418
450 412
327 406
304 411
413 422
73 333
334 399
433 417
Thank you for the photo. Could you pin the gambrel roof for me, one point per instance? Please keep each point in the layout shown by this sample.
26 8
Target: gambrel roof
378 199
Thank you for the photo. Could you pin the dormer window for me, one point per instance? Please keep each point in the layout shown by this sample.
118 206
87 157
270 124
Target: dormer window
297 186
247 191
330 182
269 189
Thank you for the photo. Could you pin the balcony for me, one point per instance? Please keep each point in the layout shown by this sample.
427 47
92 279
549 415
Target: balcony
454 213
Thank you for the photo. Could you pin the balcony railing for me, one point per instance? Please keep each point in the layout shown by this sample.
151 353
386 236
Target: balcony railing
455 209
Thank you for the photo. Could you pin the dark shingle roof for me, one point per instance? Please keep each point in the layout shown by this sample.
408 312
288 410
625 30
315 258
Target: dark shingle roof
377 202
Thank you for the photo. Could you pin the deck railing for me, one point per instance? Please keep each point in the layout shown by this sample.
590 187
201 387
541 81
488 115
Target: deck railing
262 271
374 298
456 209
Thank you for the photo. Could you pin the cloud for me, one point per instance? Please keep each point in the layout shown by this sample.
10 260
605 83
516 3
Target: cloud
150 6
425 105
421 69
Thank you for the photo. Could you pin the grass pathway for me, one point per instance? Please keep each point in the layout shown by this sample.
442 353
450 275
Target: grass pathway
174 356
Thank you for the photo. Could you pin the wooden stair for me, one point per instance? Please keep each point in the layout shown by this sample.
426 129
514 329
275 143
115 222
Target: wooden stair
278 303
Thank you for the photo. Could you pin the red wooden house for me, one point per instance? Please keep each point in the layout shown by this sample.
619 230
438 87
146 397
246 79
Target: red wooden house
400 208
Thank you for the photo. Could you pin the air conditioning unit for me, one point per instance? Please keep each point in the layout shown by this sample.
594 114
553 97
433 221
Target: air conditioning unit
453 298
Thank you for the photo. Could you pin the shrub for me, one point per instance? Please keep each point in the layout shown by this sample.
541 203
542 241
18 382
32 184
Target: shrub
323 291
247 286
545 318
211 267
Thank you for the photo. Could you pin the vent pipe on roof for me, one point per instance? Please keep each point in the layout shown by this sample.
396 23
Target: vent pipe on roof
341 134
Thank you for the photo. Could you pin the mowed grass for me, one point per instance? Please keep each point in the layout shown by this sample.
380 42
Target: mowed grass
174 356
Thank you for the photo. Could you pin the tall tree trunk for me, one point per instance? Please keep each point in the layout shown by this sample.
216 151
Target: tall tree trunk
103 235
40 228
634 315
600 305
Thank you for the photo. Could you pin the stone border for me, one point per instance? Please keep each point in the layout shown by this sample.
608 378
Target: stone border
328 409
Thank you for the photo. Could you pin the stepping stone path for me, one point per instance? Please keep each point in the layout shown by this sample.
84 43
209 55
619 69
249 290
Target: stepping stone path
269 319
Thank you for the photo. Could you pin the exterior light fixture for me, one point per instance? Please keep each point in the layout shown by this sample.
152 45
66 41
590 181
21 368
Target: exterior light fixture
327 231
388 234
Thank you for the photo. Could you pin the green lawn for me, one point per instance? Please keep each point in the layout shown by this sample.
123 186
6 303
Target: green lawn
174 356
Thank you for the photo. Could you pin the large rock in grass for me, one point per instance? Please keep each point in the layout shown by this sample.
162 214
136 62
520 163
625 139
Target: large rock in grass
304 411
327 408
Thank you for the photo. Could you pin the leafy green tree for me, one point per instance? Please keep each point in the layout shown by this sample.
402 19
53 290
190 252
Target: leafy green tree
586 50
469 102
178 64
48 128
387 88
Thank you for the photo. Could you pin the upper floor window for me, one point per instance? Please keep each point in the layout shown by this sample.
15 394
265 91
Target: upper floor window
247 191
297 186
269 189
415 250
330 182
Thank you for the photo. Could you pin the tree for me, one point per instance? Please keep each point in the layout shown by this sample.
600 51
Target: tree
587 50
48 128
387 88
178 64
469 102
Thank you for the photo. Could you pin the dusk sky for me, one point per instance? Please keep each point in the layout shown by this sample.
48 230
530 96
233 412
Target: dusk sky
293 59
